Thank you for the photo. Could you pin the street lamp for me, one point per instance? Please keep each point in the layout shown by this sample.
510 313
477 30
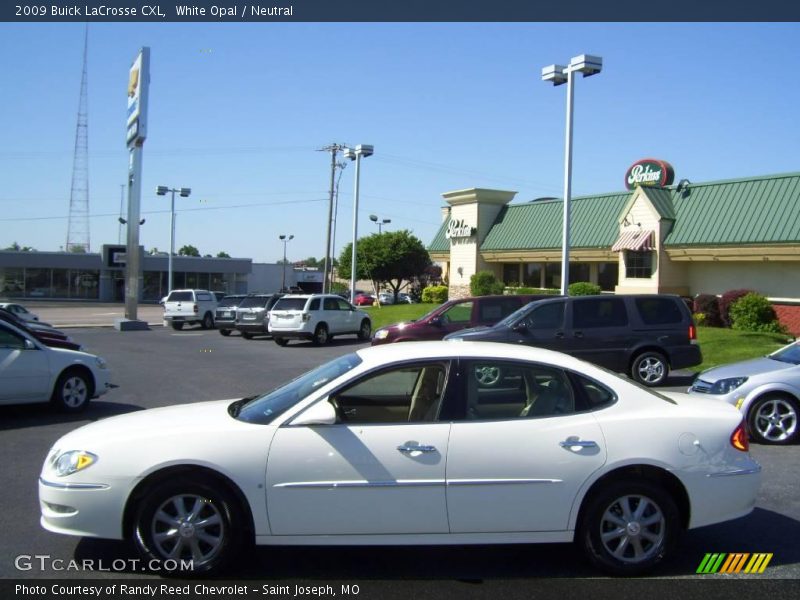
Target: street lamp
558 74
285 239
184 192
380 223
360 150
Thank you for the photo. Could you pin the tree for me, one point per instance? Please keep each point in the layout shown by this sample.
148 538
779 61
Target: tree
223 254
391 257
188 250
17 248
312 262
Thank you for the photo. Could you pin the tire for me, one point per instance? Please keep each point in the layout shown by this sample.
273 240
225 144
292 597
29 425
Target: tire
281 341
365 331
773 420
320 335
650 369
177 326
618 540
247 335
170 516
225 332
208 321
73 391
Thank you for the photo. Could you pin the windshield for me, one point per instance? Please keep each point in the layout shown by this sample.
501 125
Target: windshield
264 409
517 315
790 354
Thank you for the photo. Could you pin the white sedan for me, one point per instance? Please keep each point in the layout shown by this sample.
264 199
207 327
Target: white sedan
426 443
19 311
32 372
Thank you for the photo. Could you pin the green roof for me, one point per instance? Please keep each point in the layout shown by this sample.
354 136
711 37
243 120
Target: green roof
756 210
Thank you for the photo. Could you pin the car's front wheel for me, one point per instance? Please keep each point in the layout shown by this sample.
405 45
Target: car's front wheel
189 520
225 332
628 527
773 420
650 368
72 392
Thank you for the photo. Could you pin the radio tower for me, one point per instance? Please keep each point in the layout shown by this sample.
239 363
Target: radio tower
78 228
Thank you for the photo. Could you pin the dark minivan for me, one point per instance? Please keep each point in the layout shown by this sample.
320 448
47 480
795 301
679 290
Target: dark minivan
642 335
452 316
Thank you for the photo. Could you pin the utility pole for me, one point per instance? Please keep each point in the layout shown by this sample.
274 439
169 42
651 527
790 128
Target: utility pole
334 150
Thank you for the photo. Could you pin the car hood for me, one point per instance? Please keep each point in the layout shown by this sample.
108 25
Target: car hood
179 420
482 332
746 368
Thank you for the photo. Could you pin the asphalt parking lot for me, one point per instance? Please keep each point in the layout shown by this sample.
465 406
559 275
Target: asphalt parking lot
161 367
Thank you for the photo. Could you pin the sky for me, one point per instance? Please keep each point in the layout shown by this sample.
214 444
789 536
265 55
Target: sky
239 112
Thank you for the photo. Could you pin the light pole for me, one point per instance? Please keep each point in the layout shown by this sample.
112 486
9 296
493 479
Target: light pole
184 192
360 150
379 222
285 239
558 74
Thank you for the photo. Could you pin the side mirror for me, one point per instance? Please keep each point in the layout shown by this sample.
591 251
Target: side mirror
29 345
435 321
322 413
520 326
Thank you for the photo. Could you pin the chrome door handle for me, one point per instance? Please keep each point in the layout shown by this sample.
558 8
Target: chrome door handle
579 443
417 448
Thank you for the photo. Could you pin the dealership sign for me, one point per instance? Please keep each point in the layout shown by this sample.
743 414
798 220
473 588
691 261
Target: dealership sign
458 229
649 172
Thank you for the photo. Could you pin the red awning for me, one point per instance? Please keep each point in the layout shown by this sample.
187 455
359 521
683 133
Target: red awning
634 239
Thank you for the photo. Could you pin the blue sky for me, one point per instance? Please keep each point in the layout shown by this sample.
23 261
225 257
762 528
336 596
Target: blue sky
237 112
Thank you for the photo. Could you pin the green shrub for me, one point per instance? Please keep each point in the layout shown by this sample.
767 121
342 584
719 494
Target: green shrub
699 319
583 288
708 305
527 291
435 294
485 283
753 312
725 302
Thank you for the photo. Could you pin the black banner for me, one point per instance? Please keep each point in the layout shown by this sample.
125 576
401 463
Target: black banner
398 11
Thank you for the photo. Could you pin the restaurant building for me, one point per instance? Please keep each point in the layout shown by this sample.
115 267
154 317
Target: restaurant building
656 237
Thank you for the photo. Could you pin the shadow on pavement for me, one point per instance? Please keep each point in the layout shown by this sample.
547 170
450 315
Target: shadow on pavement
35 415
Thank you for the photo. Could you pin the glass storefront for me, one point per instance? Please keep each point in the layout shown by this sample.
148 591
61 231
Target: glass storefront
49 283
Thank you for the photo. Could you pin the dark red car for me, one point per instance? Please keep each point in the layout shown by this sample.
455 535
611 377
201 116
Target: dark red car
49 336
364 300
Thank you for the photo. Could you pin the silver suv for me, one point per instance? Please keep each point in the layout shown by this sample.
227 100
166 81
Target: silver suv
316 317
252 314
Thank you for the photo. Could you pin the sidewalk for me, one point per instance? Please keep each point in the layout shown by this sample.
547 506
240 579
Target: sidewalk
68 314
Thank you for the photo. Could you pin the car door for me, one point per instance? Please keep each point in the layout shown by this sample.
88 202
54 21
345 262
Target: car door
348 315
519 448
24 369
379 470
542 326
600 332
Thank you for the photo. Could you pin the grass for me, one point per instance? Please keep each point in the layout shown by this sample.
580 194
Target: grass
720 346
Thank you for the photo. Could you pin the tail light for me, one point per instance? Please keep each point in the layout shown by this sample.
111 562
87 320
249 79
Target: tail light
692 332
739 438
195 308
306 317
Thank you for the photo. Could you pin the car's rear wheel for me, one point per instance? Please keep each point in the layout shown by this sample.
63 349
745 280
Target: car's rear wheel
281 341
225 332
628 527
177 325
73 391
320 336
650 368
247 335
365 330
773 420
189 520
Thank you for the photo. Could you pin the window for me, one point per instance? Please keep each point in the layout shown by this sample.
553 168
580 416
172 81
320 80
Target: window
313 305
498 390
546 316
552 275
204 297
330 304
532 275
254 302
491 311
599 312
659 311
180 297
595 394
296 304
343 304
409 393
9 339
638 264
607 276
579 272
458 313
511 274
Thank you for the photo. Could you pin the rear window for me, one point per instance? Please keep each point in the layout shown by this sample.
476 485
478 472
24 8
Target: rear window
255 302
230 301
180 297
290 304
659 311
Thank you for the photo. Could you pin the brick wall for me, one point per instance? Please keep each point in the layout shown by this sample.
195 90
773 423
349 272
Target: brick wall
789 315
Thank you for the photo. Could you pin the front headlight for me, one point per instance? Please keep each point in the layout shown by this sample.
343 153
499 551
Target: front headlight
73 461
723 386
101 364
381 334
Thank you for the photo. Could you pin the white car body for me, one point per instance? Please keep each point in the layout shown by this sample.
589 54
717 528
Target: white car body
303 480
30 370
183 307
19 311
317 317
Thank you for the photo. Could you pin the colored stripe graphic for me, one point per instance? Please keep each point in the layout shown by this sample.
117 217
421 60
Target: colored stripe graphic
721 562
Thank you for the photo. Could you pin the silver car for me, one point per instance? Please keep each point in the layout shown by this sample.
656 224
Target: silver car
766 390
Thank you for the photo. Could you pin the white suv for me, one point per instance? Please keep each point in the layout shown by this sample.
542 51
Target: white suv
316 317
190 306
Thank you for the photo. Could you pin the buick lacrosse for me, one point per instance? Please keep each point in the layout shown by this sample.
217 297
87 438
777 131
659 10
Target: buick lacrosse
426 443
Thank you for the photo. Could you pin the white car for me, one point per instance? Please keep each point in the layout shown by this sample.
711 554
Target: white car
316 317
409 444
32 372
19 311
185 307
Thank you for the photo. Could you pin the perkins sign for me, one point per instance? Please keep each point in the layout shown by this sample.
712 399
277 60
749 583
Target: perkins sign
458 229
649 172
